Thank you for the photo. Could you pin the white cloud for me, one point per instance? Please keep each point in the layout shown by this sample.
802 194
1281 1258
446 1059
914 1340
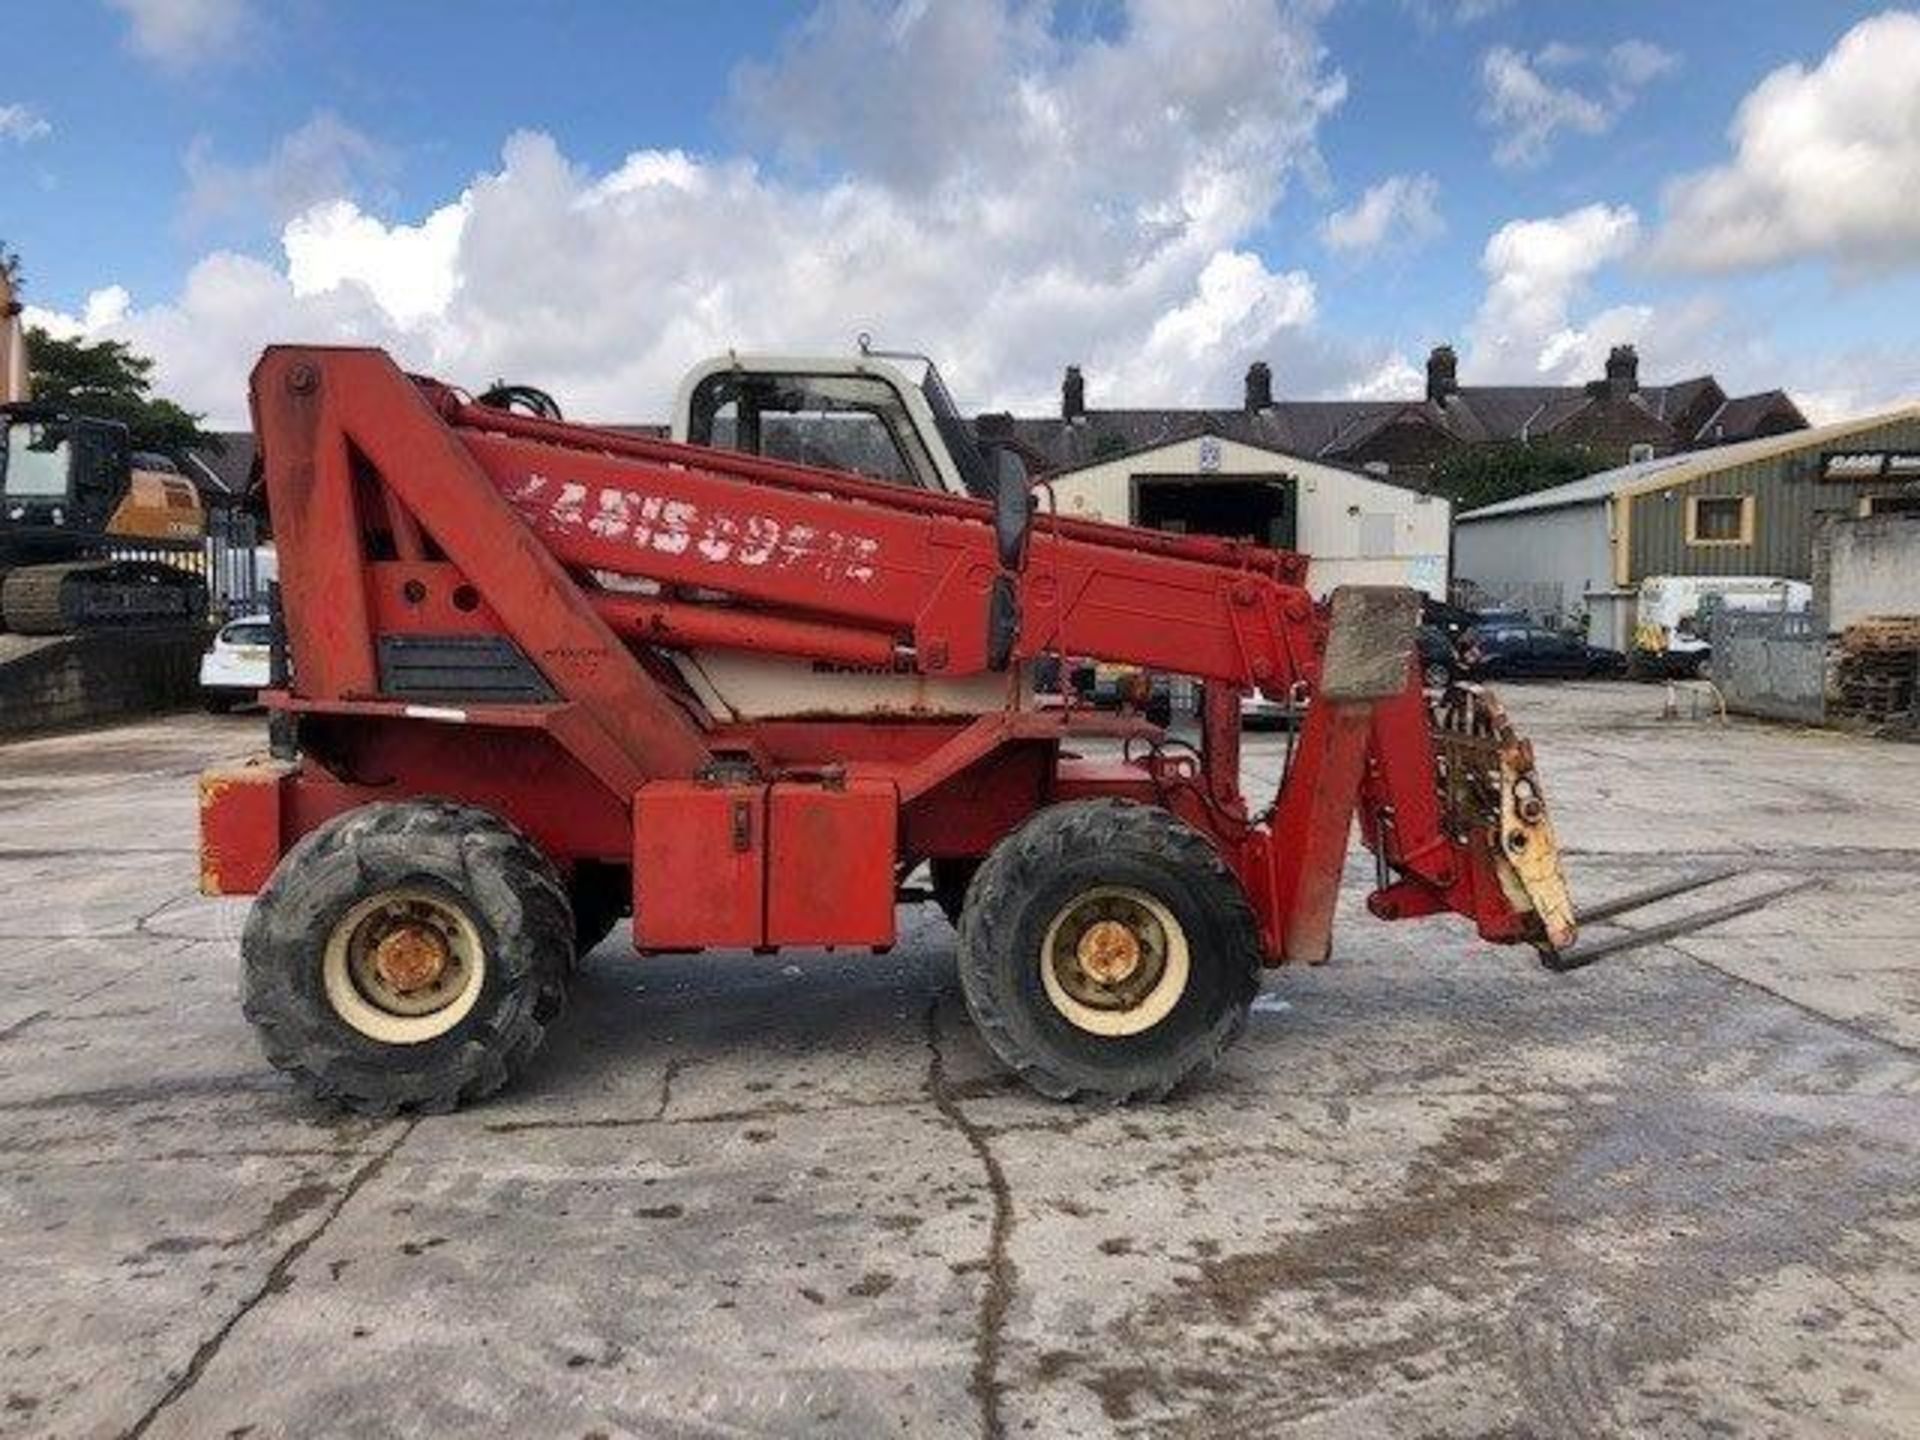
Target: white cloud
187 34
1236 307
1401 211
325 159
1431 13
1394 378
1528 110
1537 270
410 271
22 124
1861 381
1634 63
1826 164
103 308
1096 206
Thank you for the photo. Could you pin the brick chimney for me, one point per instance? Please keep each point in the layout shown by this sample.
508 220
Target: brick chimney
1443 373
1073 395
1623 372
1259 387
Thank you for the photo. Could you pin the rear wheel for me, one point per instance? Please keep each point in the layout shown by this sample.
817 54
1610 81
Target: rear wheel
1107 951
407 956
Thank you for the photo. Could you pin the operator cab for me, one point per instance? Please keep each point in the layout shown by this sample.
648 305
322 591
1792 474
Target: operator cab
57 471
886 416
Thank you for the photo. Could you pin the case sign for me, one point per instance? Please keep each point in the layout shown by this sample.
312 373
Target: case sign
1870 465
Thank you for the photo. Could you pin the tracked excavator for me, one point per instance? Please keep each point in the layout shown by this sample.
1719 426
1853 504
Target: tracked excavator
90 529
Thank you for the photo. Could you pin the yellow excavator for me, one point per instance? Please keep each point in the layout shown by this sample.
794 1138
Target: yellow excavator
89 528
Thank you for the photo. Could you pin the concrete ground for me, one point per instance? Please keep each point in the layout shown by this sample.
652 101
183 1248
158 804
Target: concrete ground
1435 1192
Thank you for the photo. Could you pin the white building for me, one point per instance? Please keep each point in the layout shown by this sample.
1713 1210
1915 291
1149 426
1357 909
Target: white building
1355 528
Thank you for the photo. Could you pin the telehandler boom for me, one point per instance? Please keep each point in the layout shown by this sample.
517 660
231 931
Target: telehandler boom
495 738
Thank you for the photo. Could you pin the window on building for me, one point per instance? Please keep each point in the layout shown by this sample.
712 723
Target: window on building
1720 520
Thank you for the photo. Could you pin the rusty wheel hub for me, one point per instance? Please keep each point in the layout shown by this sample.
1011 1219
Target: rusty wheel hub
1109 952
404 965
410 957
1114 961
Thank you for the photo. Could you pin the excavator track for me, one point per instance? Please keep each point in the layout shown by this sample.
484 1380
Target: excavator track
83 595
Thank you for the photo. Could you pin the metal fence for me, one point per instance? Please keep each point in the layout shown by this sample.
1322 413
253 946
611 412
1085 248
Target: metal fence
236 575
235 565
1772 665
1542 600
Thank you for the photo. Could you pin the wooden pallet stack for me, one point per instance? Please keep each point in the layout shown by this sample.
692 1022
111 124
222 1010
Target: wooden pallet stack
1879 665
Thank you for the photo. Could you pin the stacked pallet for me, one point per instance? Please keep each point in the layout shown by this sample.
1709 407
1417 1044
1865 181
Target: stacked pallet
1879 666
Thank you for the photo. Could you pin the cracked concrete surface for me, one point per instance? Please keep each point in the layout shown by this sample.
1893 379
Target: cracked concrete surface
1434 1192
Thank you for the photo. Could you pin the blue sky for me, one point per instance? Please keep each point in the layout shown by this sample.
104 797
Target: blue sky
591 196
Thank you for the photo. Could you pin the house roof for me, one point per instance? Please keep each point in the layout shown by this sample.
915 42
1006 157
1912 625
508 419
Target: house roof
1744 413
228 469
1302 430
1201 428
1666 470
1670 402
1334 430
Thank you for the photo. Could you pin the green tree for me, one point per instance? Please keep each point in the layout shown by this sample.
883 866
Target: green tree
110 381
1483 474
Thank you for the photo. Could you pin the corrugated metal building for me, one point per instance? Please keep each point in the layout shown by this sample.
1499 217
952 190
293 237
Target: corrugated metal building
1746 509
1357 529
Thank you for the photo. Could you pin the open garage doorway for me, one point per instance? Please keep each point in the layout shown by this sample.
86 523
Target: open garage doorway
1260 508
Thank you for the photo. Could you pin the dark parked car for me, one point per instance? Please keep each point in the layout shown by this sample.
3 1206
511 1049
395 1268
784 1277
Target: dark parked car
1440 662
1517 651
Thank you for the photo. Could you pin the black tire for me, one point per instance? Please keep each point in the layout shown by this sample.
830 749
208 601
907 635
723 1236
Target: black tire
951 876
1032 876
1436 676
599 894
464 858
217 704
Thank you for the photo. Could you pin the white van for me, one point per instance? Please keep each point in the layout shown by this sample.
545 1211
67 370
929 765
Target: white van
1670 635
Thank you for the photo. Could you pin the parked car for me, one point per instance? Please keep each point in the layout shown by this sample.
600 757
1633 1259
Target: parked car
236 667
1525 651
1440 660
1257 712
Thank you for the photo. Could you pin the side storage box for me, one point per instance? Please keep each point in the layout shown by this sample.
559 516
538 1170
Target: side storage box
699 865
830 863
242 818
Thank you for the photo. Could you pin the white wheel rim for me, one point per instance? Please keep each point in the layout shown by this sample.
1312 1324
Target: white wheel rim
1114 999
412 923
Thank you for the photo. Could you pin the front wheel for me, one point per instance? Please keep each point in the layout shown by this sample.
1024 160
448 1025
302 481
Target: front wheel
1107 951
407 956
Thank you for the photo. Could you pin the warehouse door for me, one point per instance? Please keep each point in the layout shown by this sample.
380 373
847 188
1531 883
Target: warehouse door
1260 508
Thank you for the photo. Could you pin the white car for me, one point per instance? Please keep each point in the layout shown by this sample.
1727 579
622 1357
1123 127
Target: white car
236 667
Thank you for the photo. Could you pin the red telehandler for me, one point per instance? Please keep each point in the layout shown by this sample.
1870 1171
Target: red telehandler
537 676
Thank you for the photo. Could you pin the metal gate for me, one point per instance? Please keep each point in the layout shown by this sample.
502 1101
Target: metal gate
1770 664
237 569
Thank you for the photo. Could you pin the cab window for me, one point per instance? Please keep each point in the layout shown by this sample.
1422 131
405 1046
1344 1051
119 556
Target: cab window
39 460
248 632
836 422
